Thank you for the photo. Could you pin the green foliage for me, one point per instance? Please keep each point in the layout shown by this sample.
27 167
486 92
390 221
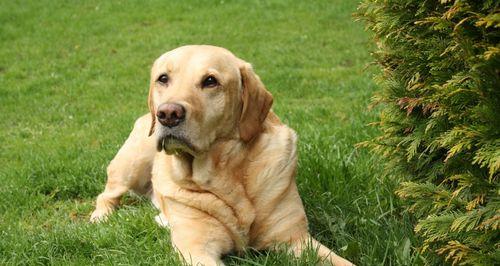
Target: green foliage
440 120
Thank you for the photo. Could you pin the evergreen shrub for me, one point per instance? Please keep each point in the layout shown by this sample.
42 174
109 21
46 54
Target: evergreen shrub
440 119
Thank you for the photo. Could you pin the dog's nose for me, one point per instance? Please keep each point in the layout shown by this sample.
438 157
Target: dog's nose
171 114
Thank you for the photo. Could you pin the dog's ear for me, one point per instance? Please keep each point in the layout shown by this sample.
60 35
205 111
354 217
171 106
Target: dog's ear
152 109
256 101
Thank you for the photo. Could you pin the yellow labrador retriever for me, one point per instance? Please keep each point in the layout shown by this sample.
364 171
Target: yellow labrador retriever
219 162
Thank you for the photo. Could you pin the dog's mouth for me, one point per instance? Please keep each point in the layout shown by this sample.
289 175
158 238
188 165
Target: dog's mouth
173 144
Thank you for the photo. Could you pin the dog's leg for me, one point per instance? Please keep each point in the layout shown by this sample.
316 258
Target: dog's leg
300 245
129 170
199 238
107 200
200 244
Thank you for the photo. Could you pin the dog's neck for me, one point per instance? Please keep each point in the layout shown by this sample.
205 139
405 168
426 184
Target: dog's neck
227 157
197 172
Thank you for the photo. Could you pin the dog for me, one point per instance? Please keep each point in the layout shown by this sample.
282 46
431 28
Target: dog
216 160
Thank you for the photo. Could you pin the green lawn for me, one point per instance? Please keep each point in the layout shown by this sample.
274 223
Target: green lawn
74 76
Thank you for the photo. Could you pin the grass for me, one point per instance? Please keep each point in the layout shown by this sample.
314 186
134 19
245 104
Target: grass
74 76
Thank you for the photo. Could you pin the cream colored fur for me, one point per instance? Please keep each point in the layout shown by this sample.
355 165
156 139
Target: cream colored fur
233 186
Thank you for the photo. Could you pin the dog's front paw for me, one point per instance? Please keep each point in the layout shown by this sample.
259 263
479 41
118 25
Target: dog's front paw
161 220
99 215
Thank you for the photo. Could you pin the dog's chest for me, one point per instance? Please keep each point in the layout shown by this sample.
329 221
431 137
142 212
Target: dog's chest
205 187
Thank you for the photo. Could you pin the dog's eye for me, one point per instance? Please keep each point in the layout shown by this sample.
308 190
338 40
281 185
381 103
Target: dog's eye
209 82
163 78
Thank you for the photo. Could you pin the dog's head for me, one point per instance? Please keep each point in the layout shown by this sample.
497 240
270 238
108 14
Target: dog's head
199 94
